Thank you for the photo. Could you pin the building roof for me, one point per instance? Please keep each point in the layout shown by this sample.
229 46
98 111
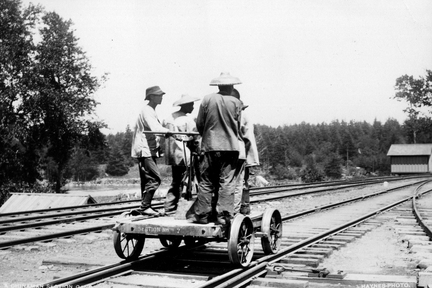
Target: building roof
410 150
34 201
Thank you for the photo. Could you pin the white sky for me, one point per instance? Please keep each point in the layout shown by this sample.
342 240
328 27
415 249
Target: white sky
303 60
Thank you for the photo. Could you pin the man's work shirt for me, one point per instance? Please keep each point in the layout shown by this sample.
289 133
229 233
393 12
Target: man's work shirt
176 151
218 123
146 145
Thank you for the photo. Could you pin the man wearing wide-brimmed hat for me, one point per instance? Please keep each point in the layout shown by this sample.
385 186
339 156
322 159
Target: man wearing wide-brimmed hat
218 123
146 148
251 159
178 150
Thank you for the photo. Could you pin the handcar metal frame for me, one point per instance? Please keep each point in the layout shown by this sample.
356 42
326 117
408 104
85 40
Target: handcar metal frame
130 234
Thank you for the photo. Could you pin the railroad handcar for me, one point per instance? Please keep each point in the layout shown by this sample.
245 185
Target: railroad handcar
130 234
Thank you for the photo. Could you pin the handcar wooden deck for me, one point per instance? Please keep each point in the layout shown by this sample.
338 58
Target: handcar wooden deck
130 234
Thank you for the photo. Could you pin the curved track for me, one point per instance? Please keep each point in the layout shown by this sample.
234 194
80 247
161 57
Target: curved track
44 225
422 210
209 267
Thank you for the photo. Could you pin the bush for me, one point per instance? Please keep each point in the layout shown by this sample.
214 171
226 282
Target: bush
333 167
116 169
312 174
280 172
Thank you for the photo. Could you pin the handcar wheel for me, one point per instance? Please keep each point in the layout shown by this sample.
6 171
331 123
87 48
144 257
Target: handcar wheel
170 241
241 241
271 225
127 246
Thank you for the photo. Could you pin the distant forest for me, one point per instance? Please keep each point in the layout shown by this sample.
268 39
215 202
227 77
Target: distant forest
310 152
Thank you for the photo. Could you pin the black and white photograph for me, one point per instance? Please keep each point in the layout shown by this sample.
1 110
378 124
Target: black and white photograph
204 143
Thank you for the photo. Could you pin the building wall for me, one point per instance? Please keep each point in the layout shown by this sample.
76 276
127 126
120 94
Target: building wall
410 164
430 164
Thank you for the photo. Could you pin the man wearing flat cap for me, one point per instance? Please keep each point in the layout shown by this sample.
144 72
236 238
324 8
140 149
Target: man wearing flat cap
146 149
178 150
218 123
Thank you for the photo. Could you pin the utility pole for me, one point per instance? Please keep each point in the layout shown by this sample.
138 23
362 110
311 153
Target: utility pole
347 163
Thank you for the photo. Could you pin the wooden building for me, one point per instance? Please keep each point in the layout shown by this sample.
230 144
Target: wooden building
410 158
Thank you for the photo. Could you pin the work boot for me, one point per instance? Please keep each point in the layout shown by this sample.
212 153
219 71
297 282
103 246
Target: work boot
150 212
144 212
220 220
223 218
197 219
245 210
168 213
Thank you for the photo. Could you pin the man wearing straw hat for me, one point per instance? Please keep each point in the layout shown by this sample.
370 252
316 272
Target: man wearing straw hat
178 150
218 123
251 159
146 149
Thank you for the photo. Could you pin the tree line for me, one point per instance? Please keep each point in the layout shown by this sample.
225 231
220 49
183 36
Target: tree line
49 134
310 152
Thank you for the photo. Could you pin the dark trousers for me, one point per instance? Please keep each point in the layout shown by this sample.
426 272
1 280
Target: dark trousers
218 181
238 190
175 190
245 205
150 180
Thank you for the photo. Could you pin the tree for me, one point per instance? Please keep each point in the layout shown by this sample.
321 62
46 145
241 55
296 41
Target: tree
62 103
367 152
348 147
117 166
333 168
418 130
126 144
82 167
311 172
418 94
46 97
18 148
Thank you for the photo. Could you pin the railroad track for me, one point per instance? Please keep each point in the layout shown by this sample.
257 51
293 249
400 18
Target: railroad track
44 225
309 234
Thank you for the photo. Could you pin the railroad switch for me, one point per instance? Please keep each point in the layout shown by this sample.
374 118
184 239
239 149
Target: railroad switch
313 272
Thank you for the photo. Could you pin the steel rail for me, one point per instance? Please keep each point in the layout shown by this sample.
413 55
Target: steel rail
14 214
63 220
417 215
316 184
324 190
332 205
87 211
7 244
304 185
257 268
119 210
72 213
240 277
158 203
90 276
338 186
11 243
341 182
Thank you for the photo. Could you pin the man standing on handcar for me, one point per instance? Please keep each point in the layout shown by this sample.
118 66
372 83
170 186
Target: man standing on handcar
146 148
218 123
178 150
